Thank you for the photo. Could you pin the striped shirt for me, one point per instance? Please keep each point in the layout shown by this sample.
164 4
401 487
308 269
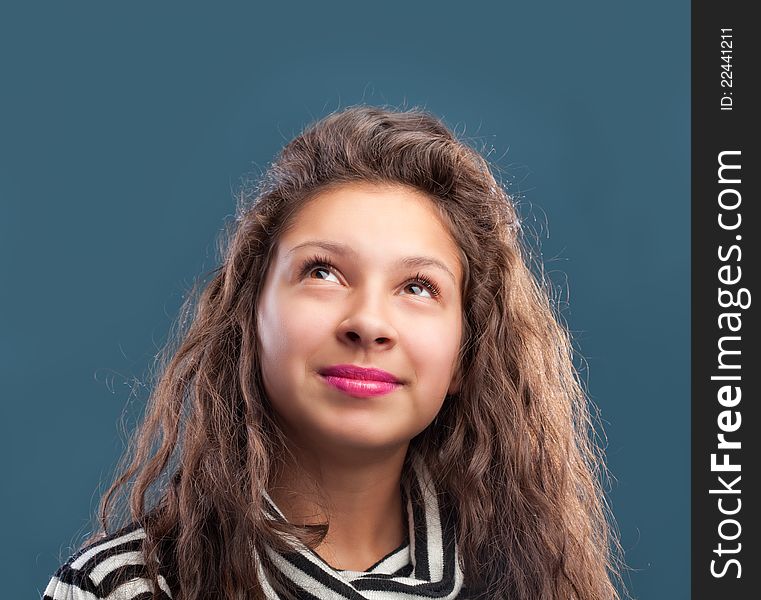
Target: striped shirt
113 568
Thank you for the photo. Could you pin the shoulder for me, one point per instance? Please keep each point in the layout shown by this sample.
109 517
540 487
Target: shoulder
112 567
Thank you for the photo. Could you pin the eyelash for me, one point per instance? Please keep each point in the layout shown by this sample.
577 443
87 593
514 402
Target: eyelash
324 261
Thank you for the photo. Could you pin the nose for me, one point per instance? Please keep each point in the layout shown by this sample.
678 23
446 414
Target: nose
368 325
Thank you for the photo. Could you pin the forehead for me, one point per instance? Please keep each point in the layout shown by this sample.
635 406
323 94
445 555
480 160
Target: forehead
375 221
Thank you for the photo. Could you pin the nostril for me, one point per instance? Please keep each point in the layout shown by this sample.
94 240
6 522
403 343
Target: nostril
357 338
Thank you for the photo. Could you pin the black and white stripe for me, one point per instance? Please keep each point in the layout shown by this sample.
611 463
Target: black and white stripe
111 568
425 568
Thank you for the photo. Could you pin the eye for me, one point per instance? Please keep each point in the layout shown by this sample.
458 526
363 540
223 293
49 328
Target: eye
427 285
319 269
316 264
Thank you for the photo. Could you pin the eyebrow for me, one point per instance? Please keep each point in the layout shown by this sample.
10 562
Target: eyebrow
411 262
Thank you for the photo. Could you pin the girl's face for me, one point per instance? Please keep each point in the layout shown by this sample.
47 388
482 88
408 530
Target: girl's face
366 276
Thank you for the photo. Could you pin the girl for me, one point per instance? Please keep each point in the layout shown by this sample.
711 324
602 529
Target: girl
373 399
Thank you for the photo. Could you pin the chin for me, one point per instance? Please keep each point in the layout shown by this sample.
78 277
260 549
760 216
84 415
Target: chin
374 437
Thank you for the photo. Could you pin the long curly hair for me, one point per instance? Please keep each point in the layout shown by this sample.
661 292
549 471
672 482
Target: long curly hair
514 451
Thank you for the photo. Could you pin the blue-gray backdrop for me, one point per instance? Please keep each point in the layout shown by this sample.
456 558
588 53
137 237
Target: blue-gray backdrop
125 129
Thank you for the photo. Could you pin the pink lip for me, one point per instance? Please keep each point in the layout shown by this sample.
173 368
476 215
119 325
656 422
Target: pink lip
358 381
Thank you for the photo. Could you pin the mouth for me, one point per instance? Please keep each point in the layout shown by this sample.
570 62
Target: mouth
359 382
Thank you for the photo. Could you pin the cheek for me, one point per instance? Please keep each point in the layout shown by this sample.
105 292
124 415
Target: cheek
283 340
289 331
434 348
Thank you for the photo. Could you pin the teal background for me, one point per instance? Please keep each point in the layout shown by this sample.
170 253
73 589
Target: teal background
125 129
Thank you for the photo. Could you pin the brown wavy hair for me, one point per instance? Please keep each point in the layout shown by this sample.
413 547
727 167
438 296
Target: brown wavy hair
514 452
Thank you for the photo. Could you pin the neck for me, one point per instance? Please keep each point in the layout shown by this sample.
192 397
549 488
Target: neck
357 493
